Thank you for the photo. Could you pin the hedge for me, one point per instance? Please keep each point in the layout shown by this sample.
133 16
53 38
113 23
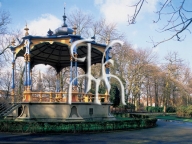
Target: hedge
74 127
154 109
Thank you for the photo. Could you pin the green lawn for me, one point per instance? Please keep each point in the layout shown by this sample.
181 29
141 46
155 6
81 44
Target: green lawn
173 117
167 116
124 118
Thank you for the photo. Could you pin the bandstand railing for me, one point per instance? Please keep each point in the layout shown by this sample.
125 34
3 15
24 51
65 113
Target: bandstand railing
62 97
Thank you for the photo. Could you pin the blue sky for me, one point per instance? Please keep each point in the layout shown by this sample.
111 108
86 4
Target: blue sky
44 14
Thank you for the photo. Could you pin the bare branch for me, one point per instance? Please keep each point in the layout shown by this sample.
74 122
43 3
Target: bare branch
178 18
138 6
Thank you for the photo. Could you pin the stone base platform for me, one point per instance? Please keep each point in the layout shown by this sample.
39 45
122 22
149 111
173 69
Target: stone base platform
57 111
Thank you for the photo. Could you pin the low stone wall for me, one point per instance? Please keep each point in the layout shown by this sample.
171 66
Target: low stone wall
54 111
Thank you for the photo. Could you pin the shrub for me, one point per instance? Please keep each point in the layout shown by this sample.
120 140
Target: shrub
189 111
171 109
154 109
130 106
184 111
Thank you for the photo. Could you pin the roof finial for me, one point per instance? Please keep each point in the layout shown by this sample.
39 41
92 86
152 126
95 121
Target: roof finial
13 42
93 37
64 17
74 30
108 39
49 33
26 29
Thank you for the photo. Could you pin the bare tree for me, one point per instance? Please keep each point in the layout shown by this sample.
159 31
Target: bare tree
130 66
5 82
104 31
19 78
64 78
81 20
49 79
178 18
4 21
87 26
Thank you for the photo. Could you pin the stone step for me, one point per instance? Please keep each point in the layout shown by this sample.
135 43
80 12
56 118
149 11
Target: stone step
9 110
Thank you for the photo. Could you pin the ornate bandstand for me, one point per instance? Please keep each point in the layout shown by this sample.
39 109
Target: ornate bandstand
54 50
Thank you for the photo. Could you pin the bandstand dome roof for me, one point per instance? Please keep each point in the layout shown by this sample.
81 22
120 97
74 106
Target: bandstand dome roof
63 31
54 49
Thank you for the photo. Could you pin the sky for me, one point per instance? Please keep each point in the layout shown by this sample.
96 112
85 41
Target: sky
40 15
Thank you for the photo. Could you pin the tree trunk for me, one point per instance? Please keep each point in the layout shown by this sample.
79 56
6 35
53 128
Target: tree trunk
150 96
165 108
136 105
21 84
147 96
156 94
165 103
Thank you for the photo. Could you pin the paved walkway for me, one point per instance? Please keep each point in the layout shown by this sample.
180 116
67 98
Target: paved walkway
166 132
